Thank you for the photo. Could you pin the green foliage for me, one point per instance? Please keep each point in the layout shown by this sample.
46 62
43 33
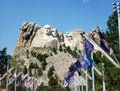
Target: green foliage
33 53
30 73
72 52
31 66
44 63
52 81
24 70
112 77
64 45
64 50
40 72
60 48
55 50
53 88
4 59
27 52
112 34
13 62
51 54
51 71
42 57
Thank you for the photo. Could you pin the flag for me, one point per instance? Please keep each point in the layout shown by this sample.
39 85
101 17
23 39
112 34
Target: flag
103 42
65 84
85 62
26 82
7 74
88 46
74 67
79 73
35 83
10 79
18 78
31 80
24 79
90 60
67 78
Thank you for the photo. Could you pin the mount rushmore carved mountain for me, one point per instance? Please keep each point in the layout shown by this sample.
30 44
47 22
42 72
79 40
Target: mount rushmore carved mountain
34 41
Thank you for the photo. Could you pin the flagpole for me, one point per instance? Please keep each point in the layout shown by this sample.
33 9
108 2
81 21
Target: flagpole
26 88
82 86
6 84
7 77
102 51
15 84
15 77
86 80
103 75
93 78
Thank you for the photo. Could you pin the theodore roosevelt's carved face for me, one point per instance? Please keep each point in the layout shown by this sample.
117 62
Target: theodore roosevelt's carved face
61 37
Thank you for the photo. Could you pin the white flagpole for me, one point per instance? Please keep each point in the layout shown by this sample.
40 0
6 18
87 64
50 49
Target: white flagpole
8 74
104 88
15 80
82 87
86 81
26 88
75 88
15 84
93 78
7 84
102 51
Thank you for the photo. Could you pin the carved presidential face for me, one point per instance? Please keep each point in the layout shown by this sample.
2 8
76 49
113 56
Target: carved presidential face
54 32
47 29
69 37
61 37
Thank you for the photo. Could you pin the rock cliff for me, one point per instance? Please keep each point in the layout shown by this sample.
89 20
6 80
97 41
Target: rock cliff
34 40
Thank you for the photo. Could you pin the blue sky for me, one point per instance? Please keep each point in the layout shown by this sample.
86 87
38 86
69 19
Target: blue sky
65 15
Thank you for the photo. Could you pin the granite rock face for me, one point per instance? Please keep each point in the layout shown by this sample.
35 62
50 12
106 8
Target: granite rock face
36 39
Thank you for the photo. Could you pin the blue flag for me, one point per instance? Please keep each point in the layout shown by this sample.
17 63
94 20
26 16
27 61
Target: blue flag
19 76
23 81
90 60
74 67
88 46
85 62
67 78
103 43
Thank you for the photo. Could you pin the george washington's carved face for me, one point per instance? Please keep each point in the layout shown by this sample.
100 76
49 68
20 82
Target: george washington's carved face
47 29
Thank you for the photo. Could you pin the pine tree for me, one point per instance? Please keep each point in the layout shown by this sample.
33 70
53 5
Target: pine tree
112 72
112 33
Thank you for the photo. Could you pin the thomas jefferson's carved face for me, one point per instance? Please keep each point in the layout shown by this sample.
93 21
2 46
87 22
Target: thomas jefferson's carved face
54 32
